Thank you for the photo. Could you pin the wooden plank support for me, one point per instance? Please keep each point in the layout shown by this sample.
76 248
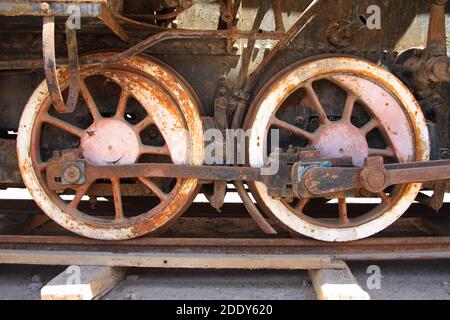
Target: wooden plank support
83 283
162 260
337 284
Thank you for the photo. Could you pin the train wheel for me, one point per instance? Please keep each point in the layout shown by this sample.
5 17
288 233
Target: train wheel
342 107
163 105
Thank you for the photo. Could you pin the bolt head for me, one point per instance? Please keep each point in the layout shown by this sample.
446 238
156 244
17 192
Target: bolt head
45 7
376 179
72 174
222 91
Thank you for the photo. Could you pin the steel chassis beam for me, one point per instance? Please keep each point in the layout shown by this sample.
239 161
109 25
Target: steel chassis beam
64 8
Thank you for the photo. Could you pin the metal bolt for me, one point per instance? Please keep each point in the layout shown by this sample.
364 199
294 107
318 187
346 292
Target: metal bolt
222 91
226 17
72 174
300 121
376 179
45 7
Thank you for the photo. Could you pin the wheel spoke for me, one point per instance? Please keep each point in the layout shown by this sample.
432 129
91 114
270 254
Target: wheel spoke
369 126
74 130
117 198
291 128
388 152
154 188
143 124
40 166
163 151
384 197
349 106
316 104
343 217
78 196
92 106
122 105
301 204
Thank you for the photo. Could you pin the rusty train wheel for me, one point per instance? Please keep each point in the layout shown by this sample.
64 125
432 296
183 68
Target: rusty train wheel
342 107
167 105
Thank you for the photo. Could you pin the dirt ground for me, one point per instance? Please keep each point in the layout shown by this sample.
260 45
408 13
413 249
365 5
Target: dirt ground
400 280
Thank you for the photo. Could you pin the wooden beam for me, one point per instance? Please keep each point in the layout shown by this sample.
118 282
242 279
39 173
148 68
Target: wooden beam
178 260
337 284
333 284
82 283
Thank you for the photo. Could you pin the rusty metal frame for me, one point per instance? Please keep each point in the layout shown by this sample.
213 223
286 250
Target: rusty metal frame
49 10
306 17
248 84
107 17
375 176
437 38
48 48
101 10
74 66
432 67
62 8
132 51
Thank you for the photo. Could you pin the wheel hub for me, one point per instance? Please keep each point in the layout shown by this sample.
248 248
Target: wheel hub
110 141
342 140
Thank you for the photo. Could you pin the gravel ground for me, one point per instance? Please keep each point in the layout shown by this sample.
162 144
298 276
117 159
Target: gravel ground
400 280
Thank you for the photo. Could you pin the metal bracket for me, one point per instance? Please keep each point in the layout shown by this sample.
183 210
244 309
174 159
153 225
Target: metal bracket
64 8
299 171
51 75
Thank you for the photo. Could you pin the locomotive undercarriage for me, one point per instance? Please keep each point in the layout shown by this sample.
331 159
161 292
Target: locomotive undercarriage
360 111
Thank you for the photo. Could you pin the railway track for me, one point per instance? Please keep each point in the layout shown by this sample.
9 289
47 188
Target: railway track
201 239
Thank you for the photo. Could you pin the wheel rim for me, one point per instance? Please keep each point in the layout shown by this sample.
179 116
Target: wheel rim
394 115
170 108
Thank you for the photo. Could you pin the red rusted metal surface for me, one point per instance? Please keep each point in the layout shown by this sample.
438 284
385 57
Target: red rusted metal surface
375 176
380 116
48 46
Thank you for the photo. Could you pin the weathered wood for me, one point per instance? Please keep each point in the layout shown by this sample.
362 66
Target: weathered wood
337 284
82 283
161 260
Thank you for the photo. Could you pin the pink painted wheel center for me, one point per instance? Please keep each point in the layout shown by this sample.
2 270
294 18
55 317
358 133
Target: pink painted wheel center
110 141
339 140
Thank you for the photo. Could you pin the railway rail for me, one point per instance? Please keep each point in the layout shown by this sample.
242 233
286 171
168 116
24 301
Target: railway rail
230 241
